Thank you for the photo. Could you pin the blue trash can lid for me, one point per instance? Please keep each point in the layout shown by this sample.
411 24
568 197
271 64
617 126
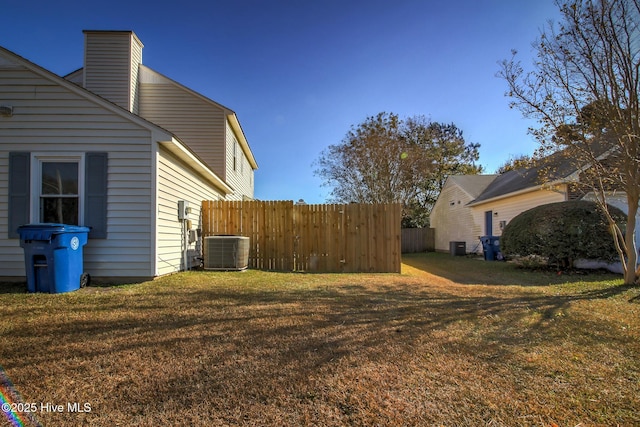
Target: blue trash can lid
46 230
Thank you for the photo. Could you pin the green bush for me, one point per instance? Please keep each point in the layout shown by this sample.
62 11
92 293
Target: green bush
561 233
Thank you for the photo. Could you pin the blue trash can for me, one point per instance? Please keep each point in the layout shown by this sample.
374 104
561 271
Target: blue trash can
491 248
53 257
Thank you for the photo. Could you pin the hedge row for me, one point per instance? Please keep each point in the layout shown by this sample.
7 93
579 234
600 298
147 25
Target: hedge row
561 233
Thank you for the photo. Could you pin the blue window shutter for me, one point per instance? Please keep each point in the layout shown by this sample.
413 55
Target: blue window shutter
19 188
95 201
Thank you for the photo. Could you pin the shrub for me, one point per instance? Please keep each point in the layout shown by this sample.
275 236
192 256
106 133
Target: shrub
561 233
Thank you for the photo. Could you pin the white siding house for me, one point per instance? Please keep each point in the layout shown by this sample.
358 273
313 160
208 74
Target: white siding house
204 125
471 206
451 217
128 171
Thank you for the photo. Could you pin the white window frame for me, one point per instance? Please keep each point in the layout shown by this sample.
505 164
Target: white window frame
36 180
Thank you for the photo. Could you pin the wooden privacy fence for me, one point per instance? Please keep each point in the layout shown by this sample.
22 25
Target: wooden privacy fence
316 238
418 240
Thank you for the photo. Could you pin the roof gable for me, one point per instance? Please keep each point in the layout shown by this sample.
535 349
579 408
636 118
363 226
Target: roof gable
473 185
10 59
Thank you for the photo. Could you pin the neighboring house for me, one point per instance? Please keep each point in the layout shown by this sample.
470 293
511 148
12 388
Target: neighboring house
471 206
114 146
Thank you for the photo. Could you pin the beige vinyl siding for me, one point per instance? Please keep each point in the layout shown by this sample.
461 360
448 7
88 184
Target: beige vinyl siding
240 177
134 85
50 118
453 220
196 122
176 181
508 208
111 65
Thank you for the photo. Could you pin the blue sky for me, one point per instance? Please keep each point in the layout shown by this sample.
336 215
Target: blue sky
300 73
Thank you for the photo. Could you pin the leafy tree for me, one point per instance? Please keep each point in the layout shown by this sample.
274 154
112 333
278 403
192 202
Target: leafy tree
447 153
516 162
389 160
374 163
584 91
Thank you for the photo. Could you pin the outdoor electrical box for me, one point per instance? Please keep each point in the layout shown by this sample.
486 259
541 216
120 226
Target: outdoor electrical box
183 210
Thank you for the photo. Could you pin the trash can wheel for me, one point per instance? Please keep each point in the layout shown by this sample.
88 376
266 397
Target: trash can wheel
84 280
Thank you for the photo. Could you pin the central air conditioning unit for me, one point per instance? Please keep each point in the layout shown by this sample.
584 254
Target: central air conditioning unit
226 253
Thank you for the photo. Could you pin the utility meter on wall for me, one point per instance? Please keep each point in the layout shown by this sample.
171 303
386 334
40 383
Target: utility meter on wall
183 210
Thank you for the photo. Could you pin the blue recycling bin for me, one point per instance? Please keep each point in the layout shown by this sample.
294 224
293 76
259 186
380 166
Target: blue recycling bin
53 257
491 248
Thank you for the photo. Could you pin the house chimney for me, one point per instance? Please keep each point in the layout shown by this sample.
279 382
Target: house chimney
111 66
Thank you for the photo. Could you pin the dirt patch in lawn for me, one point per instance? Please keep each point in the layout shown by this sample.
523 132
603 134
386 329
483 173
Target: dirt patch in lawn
430 346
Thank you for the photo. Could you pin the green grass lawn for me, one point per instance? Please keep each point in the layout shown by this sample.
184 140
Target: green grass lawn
451 341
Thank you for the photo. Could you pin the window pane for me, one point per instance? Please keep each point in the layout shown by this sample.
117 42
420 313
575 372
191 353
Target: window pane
61 210
59 178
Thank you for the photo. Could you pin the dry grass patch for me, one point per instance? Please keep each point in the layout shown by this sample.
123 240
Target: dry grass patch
451 341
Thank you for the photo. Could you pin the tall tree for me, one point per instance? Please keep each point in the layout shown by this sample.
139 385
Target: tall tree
447 153
583 89
386 160
372 164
